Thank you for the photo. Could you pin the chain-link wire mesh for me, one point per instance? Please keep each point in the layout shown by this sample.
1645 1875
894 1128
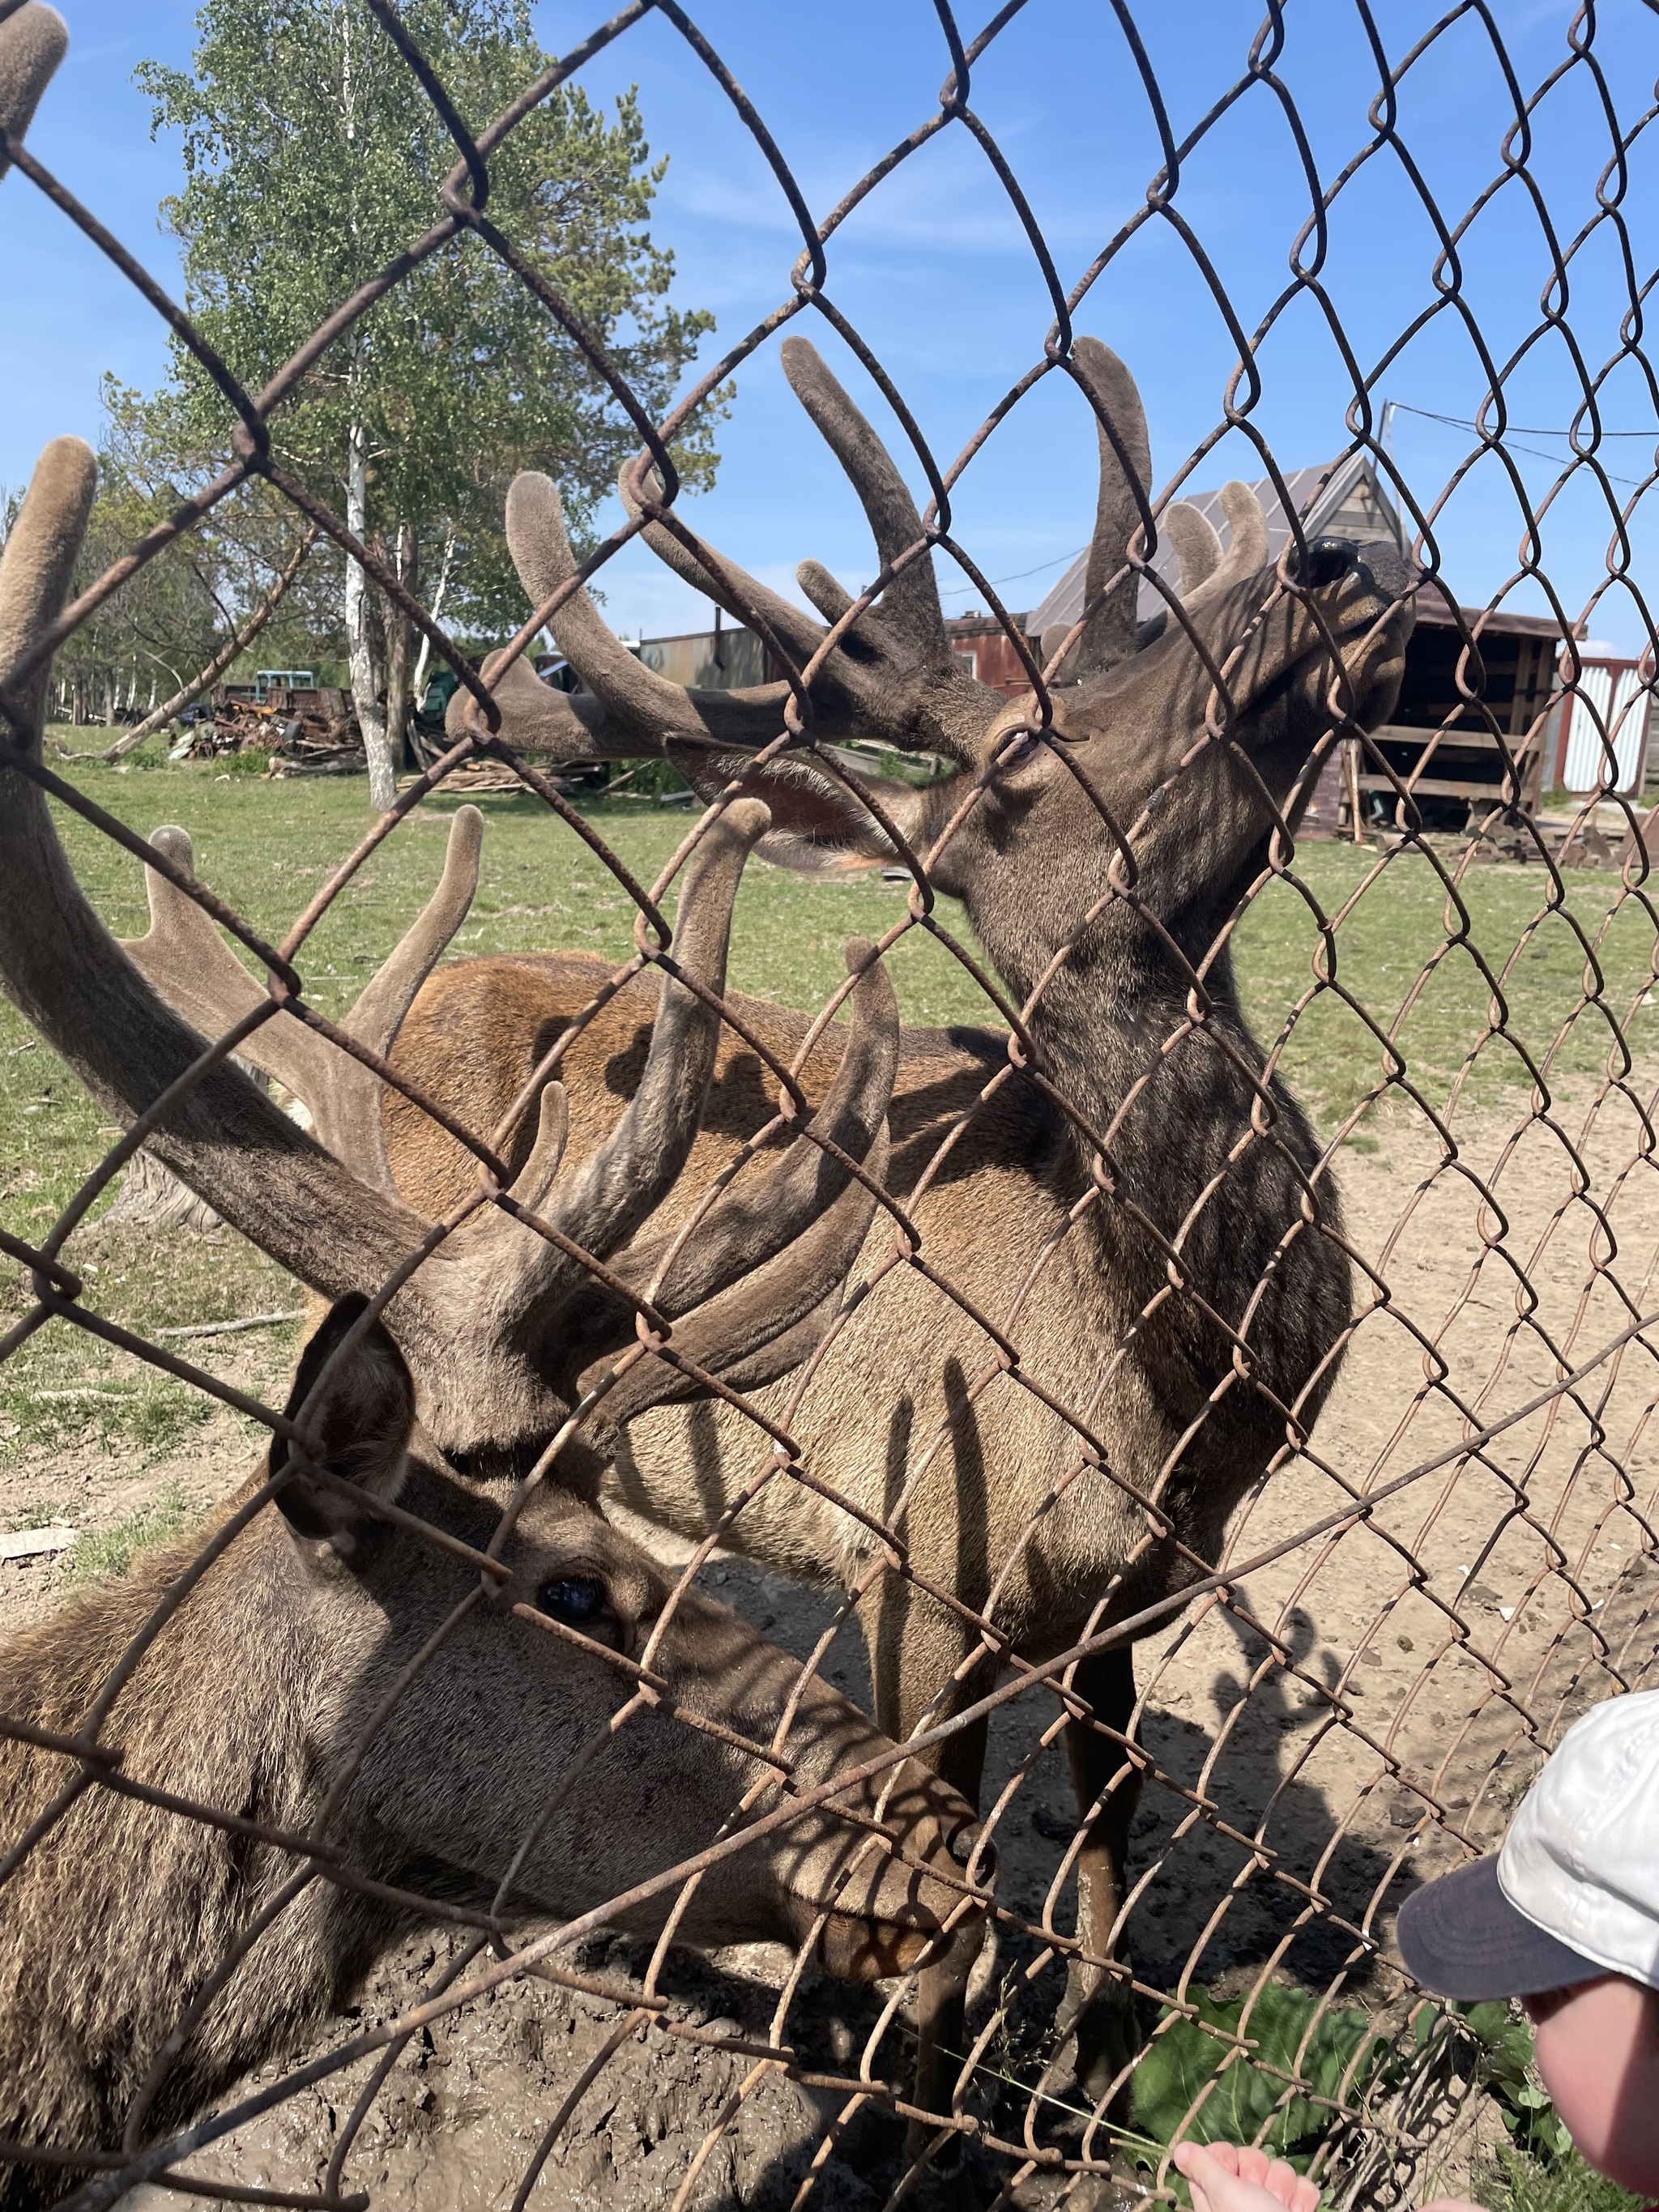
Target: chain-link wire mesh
1291 1488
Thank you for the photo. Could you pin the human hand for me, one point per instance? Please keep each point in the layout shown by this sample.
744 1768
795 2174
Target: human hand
1227 2176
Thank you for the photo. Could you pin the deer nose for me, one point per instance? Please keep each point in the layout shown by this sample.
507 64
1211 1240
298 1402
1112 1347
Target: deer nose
1326 561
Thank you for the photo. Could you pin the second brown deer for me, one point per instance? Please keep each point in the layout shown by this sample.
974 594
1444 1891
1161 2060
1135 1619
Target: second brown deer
343 1719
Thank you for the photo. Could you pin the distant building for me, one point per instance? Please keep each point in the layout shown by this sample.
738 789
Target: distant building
719 659
1351 504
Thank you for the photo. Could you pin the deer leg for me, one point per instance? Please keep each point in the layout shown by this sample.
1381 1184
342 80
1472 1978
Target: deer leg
913 1653
1098 2007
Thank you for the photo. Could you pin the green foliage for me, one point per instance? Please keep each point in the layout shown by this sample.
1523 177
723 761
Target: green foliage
1507 2073
1541 2169
1336 2053
1515 2183
312 158
252 762
176 612
649 779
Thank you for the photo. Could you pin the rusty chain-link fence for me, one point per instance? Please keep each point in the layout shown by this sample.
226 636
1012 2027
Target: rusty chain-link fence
1339 1426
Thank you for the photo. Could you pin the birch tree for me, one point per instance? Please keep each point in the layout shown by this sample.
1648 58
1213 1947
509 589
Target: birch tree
312 156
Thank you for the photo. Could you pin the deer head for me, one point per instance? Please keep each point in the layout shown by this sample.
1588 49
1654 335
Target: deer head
1174 746
499 1760
525 1295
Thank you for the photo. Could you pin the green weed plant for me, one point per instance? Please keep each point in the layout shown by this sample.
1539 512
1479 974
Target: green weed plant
1337 2053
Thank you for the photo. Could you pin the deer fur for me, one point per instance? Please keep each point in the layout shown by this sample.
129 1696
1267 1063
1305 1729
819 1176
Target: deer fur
257 1697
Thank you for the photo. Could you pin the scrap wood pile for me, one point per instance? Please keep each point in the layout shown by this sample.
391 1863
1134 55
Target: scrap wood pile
307 732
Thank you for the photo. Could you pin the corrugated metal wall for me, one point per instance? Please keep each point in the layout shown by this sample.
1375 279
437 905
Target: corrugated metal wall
710 660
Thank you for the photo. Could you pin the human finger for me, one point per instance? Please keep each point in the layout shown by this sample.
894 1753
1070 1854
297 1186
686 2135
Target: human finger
1222 2187
1293 2190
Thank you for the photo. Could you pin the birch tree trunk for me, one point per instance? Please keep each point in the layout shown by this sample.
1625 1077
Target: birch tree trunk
435 611
405 566
360 631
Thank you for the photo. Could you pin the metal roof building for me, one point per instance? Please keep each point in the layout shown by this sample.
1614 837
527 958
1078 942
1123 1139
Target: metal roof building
1345 501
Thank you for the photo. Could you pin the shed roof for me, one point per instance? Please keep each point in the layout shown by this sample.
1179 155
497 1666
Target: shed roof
1341 499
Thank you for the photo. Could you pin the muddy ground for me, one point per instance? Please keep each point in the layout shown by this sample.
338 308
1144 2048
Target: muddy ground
1370 1704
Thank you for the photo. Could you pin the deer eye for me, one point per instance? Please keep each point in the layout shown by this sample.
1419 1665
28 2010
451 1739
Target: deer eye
578 1600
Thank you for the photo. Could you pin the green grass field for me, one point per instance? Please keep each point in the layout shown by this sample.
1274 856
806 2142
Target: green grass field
266 847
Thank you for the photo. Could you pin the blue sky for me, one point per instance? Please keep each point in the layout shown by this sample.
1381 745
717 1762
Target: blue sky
936 274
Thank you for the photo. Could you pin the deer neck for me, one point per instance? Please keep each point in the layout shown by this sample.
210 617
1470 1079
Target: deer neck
1103 1025
159 1901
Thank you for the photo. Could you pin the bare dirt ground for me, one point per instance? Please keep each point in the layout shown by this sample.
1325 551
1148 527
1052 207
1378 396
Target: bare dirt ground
1368 1706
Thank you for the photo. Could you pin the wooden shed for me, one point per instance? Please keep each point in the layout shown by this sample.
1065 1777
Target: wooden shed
1441 744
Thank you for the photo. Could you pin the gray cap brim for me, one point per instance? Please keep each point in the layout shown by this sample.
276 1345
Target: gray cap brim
1460 1937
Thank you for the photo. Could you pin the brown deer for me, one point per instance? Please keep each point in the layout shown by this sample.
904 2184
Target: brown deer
1142 1209
267 1697
347 1670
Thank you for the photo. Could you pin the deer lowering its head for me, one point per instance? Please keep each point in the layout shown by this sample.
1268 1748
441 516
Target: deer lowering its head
351 1709
288 1698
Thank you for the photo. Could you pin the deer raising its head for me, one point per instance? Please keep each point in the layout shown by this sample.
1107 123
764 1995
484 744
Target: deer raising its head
1174 745
1139 1206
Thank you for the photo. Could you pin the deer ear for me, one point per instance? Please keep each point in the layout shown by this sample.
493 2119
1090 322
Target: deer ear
358 1418
819 825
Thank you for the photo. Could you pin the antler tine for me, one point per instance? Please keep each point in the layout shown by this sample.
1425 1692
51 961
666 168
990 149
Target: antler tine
192 967
1108 635
1249 551
1190 530
797 631
390 992
763 1325
540 547
32 41
643 712
63 970
762 1216
36 564
558 724
630 1174
346 1099
910 603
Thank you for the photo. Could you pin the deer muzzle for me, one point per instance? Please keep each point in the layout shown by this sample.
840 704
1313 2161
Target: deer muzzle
883 1899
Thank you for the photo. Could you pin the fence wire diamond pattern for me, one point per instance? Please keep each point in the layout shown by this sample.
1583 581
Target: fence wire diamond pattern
1298 1504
